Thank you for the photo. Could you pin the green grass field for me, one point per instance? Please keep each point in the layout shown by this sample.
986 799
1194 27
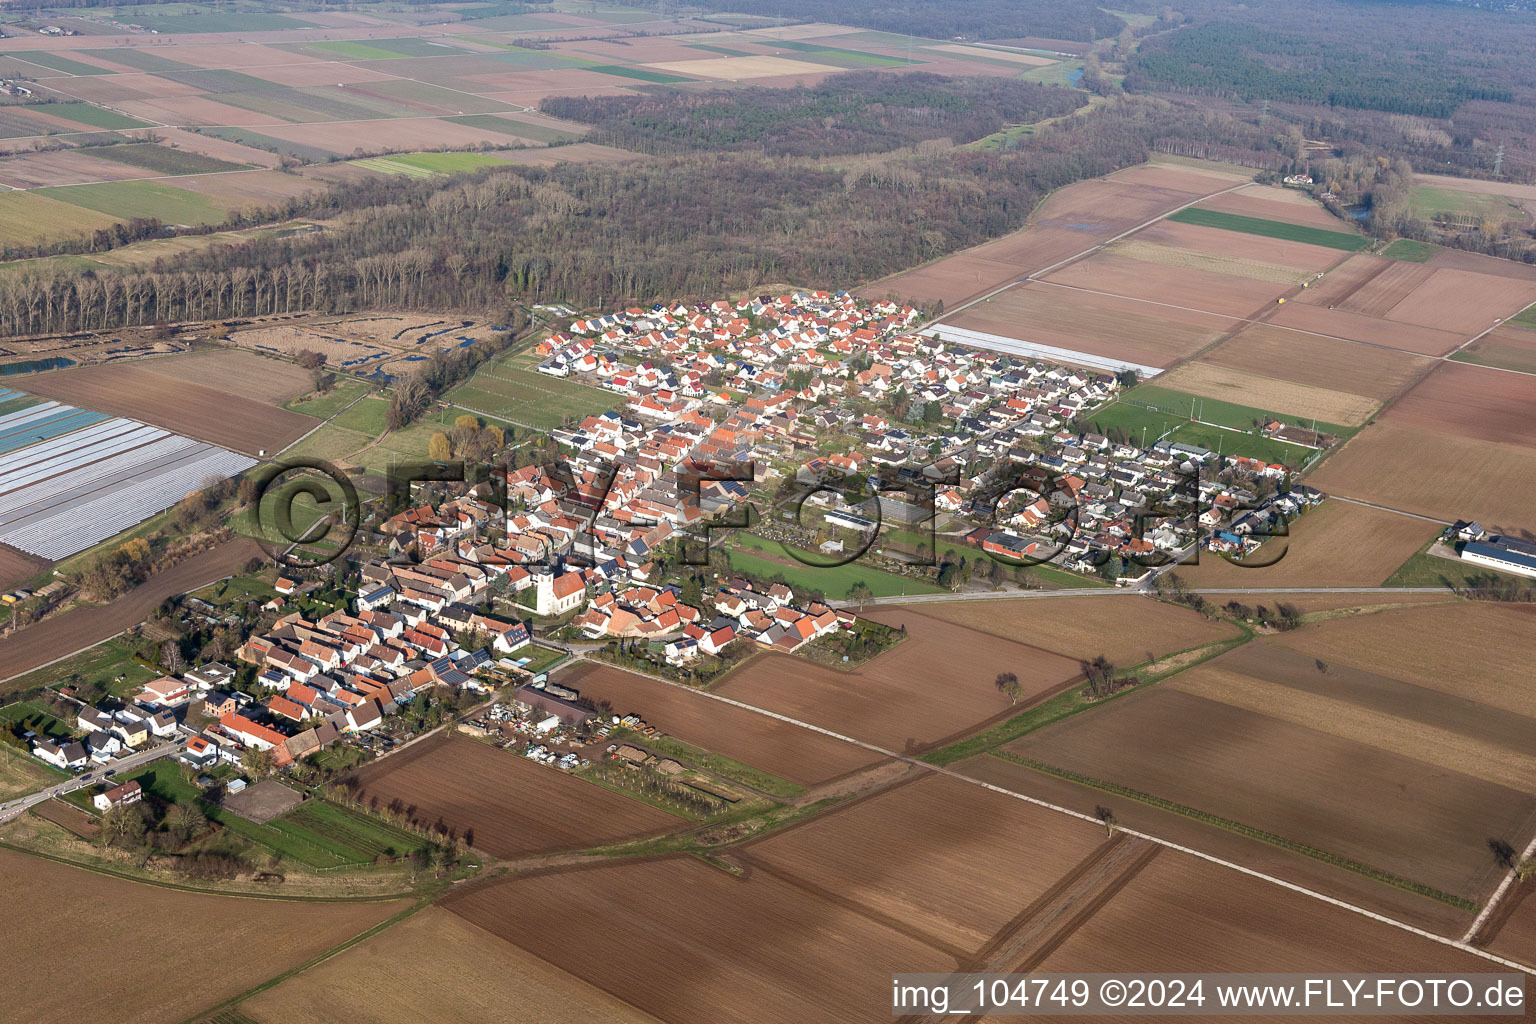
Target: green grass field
817 53
425 165
1410 251
21 773
304 512
321 836
643 74
1525 318
1271 229
1489 352
362 426
233 21
366 417
513 127
1426 570
101 665
323 407
16 404
58 62
223 80
353 837
163 159
1211 410
96 117
1425 201
1172 419
245 136
138 57
721 50
34 717
1064 73
382 49
124 199
506 391
329 444
747 554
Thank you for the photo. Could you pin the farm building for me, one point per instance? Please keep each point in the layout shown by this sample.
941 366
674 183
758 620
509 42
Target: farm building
1505 555
570 714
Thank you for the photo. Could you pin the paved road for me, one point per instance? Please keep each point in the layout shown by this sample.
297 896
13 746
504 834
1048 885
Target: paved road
12 808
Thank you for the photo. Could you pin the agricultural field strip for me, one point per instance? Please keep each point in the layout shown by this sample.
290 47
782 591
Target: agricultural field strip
1460 944
70 450
31 499
63 494
1044 271
1510 877
1246 320
76 527
508 107
151 177
1039 276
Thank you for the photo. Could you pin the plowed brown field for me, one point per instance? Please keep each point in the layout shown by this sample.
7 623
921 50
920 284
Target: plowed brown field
503 803
1099 324
1402 465
1463 301
1432 647
1444 730
1341 323
1338 544
1168 285
1232 384
1394 282
206 413
938 683
1071 221
779 748
1270 203
1473 402
81 627
255 940
908 855
1124 628
1318 362
1350 797
16 566
239 373
1220 242
458 971
1182 911
683 941
1197 181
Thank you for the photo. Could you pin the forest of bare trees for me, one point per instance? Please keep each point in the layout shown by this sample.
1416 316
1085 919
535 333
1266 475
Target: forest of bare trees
859 112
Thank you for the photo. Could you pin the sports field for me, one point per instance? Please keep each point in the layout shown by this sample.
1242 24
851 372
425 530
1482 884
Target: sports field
506 389
767 559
